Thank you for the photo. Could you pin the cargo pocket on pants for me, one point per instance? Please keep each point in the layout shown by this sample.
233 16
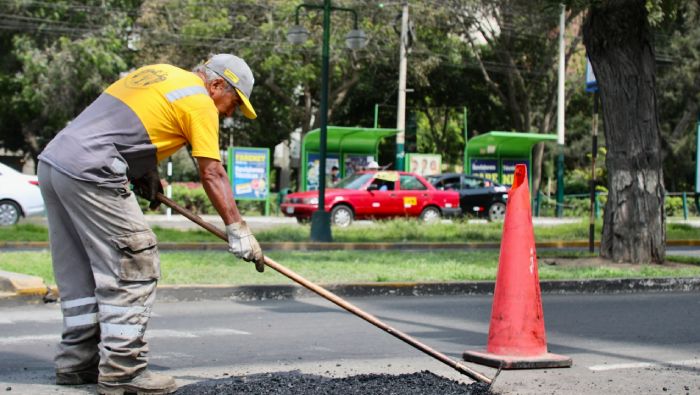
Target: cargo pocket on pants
139 260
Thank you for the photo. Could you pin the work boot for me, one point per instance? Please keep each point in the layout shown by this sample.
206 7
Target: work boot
86 375
146 383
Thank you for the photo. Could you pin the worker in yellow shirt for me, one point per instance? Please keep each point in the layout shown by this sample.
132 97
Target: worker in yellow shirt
105 256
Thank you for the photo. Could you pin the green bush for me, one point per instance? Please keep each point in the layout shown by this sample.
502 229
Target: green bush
674 205
579 206
191 195
577 181
574 206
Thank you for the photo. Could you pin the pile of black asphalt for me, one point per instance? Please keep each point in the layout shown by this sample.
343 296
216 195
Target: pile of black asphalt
296 383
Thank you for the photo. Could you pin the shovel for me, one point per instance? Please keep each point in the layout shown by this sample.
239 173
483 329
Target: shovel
474 375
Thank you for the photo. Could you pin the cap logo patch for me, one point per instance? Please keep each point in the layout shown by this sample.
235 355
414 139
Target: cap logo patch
228 73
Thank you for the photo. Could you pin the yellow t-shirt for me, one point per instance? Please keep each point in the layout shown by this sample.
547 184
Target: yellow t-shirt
174 107
137 122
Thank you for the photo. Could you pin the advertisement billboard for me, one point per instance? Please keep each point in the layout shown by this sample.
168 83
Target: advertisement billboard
425 164
508 168
355 162
249 169
313 167
487 168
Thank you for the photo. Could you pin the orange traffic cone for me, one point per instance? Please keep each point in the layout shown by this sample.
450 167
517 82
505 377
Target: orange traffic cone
516 334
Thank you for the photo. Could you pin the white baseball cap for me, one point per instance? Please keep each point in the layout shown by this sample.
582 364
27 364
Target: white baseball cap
237 73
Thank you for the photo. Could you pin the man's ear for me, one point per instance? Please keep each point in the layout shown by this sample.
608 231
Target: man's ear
216 87
219 84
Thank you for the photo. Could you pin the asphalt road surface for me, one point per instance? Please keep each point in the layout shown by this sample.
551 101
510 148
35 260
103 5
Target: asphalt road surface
620 344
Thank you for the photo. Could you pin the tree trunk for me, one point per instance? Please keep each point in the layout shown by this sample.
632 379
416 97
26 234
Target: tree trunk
617 40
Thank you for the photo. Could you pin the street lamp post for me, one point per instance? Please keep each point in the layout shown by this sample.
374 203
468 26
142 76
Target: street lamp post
320 219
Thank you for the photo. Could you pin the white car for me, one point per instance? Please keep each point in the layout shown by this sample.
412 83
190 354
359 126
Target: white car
19 195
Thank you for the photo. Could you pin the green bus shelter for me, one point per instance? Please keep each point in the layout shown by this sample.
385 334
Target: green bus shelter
348 148
494 154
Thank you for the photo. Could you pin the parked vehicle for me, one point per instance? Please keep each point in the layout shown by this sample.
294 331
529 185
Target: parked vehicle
477 195
19 195
376 194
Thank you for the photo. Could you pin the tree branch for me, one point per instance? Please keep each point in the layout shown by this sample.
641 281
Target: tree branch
341 93
274 88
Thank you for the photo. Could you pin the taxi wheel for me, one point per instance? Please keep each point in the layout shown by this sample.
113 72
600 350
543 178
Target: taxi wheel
497 211
430 215
342 216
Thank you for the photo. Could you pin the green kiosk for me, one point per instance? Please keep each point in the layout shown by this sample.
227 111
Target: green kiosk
347 148
494 155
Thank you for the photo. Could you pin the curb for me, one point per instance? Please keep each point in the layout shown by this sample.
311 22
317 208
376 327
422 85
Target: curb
18 289
275 292
22 284
245 293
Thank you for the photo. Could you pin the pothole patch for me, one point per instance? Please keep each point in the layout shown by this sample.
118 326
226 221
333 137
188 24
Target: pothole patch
296 383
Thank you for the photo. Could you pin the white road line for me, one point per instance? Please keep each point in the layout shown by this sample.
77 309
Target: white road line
45 315
165 333
640 365
224 332
14 318
30 339
150 334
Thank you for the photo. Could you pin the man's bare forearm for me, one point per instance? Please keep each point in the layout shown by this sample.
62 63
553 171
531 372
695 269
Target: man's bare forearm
218 188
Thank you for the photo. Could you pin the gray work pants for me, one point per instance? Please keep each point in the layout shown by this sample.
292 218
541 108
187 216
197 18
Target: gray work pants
106 265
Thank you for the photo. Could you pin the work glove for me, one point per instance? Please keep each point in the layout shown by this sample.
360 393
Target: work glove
243 244
147 186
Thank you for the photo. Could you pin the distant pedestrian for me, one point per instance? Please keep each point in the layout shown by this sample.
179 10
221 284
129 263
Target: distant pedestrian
372 166
335 174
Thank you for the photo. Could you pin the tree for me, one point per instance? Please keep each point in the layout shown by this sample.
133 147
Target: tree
187 32
618 41
442 80
446 82
57 58
679 95
287 89
515 47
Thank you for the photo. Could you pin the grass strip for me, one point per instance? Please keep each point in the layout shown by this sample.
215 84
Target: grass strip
395 231
328 267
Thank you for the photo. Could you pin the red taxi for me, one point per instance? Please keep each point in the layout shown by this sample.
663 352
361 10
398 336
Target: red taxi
377 195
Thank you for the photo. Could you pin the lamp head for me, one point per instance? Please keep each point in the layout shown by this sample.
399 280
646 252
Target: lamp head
297 34
356 39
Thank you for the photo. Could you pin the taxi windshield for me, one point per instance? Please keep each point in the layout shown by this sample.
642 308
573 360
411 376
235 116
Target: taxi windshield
355 181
